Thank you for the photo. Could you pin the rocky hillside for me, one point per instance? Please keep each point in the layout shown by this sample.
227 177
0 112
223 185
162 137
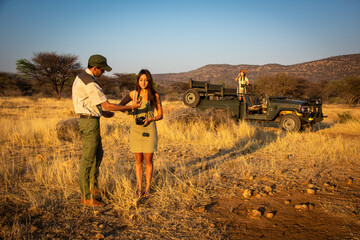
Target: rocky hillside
318 71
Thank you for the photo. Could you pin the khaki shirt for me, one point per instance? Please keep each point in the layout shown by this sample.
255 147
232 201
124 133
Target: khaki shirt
87 95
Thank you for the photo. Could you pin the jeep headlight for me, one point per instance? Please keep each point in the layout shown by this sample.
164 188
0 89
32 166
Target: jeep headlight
306 109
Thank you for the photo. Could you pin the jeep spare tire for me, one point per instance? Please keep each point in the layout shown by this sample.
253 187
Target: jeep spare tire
290 123
191 98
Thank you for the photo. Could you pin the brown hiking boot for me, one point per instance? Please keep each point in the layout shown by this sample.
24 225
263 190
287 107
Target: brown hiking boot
91 203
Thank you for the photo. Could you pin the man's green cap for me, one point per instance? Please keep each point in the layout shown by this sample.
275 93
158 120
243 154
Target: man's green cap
100 62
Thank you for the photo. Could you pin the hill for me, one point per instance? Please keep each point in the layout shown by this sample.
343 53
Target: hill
319 71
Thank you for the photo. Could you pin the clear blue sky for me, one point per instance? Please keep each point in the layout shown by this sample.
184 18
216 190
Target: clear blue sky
180 35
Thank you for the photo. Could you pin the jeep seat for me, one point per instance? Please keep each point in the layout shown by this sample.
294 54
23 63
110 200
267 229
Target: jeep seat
251 107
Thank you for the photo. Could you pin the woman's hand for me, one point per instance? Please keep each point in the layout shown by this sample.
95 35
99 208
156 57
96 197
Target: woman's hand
147 121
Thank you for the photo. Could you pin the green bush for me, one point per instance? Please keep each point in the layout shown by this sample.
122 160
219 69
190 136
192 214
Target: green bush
346 117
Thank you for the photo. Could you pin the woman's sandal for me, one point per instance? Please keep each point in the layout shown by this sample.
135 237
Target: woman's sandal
139 193
147 194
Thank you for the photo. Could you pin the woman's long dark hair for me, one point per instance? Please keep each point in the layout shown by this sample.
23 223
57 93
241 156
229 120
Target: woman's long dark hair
150 87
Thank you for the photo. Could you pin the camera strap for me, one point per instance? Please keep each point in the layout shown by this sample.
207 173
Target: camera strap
145 132
146 113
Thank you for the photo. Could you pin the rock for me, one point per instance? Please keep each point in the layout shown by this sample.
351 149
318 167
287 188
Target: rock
301 207
247 193
311 191
255 214
152 217
217 175
132 217
99 236
68 130
258 196
267 189
212 225
307 182
287 202
199 209
349 181
269 215
311 186
251 177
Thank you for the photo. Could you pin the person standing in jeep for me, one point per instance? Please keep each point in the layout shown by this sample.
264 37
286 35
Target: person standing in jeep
242 80
89 100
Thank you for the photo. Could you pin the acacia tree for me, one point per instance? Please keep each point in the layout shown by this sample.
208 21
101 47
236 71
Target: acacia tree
281 84
49 67
345 88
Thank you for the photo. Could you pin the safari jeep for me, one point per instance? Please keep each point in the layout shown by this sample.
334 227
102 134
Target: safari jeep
291 114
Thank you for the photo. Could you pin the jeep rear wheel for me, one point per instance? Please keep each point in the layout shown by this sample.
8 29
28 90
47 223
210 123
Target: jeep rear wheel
290 123
191 98
355 101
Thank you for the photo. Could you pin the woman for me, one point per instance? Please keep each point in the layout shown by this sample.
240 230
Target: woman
242 79
143 133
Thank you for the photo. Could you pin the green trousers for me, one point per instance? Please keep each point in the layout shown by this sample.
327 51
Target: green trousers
92 154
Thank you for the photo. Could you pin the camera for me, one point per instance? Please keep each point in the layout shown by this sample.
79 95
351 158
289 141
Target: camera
140 120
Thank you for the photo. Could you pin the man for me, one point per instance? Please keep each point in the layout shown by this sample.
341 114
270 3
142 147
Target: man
89 100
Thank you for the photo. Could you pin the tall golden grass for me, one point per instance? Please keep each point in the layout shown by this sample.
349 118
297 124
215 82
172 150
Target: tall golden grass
37 171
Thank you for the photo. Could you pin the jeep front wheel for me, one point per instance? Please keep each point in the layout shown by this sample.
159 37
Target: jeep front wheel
191 98
290 123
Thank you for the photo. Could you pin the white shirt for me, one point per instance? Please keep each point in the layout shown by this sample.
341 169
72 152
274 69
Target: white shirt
242 81
87 95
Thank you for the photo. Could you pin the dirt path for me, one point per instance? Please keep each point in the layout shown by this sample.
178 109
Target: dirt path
314 220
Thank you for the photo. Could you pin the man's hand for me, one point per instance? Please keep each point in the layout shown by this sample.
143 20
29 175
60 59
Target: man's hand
137 104
107 114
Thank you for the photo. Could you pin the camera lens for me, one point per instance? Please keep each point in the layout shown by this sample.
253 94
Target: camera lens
140 120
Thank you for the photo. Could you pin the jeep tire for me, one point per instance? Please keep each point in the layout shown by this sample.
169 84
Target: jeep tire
290 123
191 98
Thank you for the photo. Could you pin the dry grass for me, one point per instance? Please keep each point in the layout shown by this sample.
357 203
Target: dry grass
39 173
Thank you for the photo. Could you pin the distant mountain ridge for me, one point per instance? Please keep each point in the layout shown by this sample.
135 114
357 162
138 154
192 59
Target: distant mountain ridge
318 71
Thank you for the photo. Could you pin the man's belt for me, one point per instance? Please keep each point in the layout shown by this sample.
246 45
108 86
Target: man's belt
88 116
